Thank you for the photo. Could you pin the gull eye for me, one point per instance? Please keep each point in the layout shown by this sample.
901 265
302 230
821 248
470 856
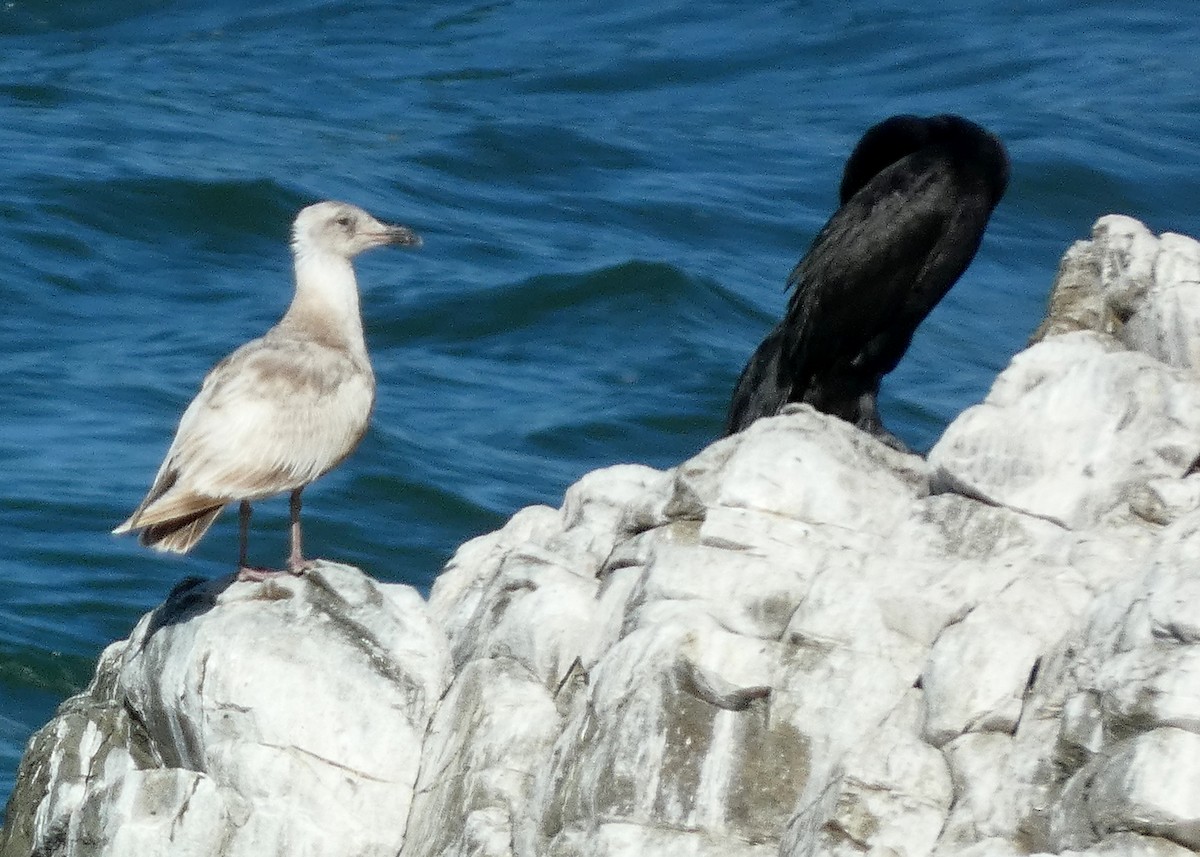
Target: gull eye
344 221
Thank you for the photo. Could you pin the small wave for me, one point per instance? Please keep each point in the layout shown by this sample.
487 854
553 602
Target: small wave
153 206
528 155
631 287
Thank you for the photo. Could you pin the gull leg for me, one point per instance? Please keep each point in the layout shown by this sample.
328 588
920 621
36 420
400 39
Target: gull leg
243 532
297 564
246 571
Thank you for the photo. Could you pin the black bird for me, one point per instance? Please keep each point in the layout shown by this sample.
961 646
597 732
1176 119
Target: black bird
915 198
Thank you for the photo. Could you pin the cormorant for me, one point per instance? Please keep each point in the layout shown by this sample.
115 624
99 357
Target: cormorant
915 197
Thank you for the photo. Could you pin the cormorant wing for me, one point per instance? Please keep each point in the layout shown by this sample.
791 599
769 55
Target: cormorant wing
861 290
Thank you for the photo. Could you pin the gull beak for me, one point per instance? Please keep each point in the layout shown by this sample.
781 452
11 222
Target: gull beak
399 236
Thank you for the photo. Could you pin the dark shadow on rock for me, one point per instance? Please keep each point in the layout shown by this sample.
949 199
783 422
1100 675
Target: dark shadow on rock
190 597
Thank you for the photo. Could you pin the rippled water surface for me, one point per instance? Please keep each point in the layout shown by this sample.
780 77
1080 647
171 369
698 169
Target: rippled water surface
612 196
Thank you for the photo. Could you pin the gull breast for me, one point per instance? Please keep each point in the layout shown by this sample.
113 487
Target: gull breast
273 416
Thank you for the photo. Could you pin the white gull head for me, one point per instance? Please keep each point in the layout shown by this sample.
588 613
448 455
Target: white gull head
344 230
325 237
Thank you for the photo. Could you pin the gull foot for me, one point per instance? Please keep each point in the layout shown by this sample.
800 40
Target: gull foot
256 574
300 566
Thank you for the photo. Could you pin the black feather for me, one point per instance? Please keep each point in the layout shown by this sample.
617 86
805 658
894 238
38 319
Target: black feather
916 195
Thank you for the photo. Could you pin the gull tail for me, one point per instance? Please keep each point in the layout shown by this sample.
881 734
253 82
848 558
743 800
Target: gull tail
177 535
172 521
181 534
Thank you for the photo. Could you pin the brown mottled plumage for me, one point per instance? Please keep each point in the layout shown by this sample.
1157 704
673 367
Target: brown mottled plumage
283 409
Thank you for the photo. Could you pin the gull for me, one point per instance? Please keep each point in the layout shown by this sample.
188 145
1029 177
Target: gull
282 410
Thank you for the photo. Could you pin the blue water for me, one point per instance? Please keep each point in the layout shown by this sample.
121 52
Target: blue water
611 196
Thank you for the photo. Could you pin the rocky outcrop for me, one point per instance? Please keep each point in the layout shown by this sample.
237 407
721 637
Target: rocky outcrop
285 717
800 642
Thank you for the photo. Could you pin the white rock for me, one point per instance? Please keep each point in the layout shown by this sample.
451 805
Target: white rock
277 718
1120 420
982 807
979 669
812 470
1127 253
161 812
492 733
890 796
1151 785
1166 324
